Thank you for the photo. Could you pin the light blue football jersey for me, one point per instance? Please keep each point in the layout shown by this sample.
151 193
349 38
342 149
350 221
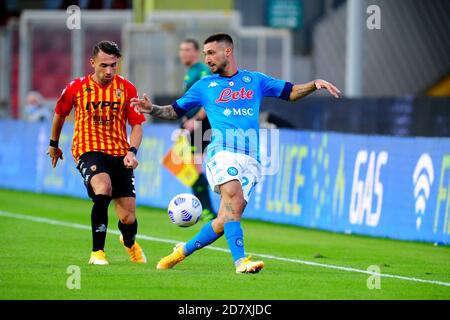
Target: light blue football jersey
232 106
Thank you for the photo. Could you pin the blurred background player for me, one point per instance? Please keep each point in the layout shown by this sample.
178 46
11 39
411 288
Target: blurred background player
35 109
233 167
196 122
104 157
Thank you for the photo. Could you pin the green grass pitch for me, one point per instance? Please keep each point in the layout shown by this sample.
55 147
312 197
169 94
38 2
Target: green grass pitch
35 255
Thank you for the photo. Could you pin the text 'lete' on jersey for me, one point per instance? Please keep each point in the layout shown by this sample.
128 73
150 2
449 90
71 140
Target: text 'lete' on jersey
232 106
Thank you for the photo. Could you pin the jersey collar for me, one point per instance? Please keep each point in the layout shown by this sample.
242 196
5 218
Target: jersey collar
229 77
98 84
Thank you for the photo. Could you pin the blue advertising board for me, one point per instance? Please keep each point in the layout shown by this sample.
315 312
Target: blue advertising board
383 186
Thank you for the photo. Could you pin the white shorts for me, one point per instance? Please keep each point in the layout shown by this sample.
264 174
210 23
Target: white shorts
226 166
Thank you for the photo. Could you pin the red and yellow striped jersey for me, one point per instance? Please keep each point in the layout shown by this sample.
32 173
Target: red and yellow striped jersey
101 113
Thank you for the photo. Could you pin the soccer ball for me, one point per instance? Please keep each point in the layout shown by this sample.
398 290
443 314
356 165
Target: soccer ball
184 210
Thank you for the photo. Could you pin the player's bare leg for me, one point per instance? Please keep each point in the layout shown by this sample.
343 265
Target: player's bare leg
232 206
204 237
101 185
126 212
228 221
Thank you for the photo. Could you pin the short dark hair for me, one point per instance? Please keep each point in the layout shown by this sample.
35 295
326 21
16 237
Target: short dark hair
193 42
108 47
219 37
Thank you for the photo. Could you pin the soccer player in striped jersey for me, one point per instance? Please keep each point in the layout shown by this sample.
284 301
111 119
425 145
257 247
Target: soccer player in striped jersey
100 147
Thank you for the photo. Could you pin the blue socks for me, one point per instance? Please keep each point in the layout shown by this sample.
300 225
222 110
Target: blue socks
233 233
235 239
203 238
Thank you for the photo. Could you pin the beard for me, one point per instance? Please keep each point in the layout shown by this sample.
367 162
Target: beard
220 69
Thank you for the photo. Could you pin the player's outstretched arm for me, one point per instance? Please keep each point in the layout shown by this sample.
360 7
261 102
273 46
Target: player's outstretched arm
161 112
54 151
302 90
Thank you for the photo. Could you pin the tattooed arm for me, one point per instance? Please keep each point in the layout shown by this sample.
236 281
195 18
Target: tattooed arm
161 112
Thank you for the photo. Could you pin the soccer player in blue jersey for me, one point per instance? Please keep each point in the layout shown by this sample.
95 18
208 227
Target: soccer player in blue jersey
231 98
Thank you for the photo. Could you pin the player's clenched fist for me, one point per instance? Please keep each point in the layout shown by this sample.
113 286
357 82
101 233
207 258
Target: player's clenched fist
130 161
55 154
142 105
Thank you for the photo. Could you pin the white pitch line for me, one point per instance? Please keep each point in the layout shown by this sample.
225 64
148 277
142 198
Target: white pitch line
267 256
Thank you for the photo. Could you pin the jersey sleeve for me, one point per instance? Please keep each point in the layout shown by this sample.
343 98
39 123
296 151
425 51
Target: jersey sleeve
272 87
133 116
190 100
65 101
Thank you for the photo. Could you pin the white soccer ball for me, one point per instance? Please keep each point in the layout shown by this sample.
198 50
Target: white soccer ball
184 210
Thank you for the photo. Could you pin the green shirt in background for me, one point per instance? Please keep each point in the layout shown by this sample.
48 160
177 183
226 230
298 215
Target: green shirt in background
193 74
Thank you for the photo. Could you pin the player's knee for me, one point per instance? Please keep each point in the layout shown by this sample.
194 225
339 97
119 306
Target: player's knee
240 202
101 184
236 202
233 192
105 189
128 217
